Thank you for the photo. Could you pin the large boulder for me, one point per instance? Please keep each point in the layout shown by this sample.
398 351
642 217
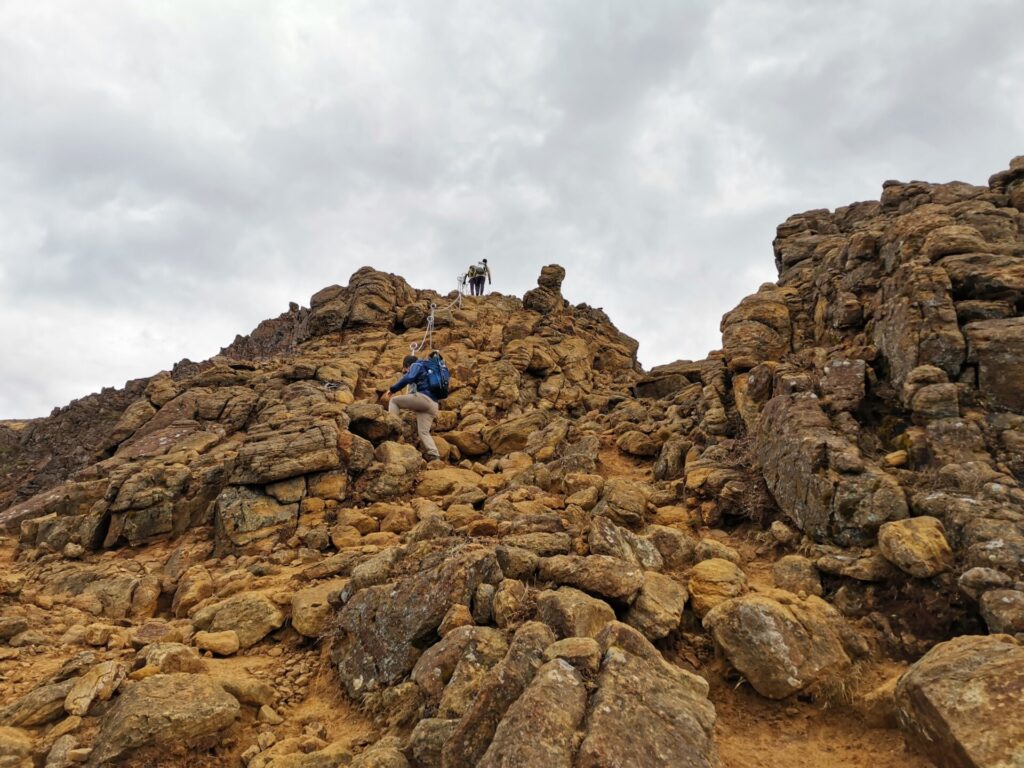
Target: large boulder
297 447
503 685
251 616
571 613
819 478
311 611
166 711
547 296
623 502
781 644
714 581
997 348
514 434
962 704
539 728
758 329
383 627
916 322
647 713
243 516
40 706
658 608
599 575
370 298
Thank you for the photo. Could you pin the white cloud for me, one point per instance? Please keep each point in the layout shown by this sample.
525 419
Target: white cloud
171 173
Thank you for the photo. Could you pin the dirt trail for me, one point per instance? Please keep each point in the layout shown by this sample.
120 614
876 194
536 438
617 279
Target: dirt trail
753 732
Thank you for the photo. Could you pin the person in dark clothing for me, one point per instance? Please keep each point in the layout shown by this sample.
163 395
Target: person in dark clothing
418 400
478 273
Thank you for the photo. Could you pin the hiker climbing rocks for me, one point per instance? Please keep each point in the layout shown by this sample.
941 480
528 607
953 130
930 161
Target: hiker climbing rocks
477 274
428 383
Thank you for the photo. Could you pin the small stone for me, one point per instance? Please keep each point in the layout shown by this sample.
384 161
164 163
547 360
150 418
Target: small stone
916 545
896 459
222 643
11 626
266 739
797 574
783 534
458 615
714 581
73 551
269 716
1003 610
709 548
583 653
30 637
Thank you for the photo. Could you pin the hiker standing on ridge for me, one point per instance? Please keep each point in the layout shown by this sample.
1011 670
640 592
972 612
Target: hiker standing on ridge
420 401
477 274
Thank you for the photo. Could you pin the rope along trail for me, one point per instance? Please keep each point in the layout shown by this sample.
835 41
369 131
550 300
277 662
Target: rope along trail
428 334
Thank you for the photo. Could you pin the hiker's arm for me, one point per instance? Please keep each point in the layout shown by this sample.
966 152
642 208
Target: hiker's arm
406 380
488 275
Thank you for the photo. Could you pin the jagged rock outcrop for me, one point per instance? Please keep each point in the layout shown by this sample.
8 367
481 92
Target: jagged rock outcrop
858 442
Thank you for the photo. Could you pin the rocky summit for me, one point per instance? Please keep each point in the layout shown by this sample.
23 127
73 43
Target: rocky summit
805 549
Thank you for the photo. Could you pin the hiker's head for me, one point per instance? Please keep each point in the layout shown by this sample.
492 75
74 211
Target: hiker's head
485 261
408 361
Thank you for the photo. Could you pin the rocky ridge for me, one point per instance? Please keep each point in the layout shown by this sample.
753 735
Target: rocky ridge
827 510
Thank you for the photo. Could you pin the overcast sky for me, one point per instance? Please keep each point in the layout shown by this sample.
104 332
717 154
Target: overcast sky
171 173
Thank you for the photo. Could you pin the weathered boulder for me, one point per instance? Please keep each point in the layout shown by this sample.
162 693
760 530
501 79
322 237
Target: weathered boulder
539 728
647 713
962 704
623 502
916 545
251 615
223 643
98 684
311 611
781 643
1003 610
450 480
370 298
502 686
166 711
571 613
819 478
583 653
466 652
758 329
997 348
796 574
383 627
39 706
599 575
514 434
547 296
916 322
658 608
243 516
297 447
606 538
714 581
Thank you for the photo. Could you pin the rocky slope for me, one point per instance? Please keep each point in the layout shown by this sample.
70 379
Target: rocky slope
807 548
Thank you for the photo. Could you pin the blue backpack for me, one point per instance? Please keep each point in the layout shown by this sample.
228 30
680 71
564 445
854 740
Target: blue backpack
438 377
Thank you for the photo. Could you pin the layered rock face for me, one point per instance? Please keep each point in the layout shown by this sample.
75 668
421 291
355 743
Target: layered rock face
601 551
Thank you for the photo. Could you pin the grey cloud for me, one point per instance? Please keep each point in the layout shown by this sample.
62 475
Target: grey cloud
176 172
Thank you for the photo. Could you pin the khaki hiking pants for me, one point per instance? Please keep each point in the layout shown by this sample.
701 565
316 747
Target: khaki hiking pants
426 411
